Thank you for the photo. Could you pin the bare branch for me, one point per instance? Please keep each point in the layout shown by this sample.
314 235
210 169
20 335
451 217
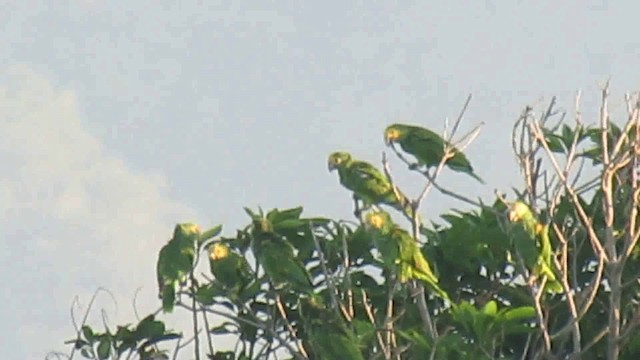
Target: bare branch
283 313
584 218
257 323
367 307
347 277
333 291
459 119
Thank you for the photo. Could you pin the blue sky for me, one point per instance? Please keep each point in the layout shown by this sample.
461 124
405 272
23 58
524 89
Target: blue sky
121 118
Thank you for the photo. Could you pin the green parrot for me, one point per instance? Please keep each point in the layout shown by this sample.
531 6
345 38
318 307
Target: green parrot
399 249
520 213
229 268
276 255
428 148
327 332
367 182
175 262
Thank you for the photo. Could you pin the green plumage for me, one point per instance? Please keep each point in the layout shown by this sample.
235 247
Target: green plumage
327 332
399 249
175 262
229 268
367 182
428 148
543 265
277 257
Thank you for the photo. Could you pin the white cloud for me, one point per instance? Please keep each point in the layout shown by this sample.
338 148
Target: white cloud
74 216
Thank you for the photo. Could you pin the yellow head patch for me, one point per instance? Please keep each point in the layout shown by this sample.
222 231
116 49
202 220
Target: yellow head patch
337 158
391 135
218 251
517 211
189 228
376 220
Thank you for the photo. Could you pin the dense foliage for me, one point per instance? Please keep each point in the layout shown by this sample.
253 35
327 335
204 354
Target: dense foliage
550 273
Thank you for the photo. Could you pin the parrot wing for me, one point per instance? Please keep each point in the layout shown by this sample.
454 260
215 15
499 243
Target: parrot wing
429 148
368 183
413 264
175 261
281 265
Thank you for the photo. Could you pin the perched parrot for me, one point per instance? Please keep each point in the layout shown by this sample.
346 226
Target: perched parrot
398 248
175 262
520 213
328 333
229 268
276 255
367 182
428 148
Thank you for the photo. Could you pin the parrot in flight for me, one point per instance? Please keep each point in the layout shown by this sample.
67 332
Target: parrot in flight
175 262
428 148
229 268
400 250
520 213
327 331
276 255
368 183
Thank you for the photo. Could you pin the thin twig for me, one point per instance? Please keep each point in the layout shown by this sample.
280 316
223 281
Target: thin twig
388 321
347 276
283 313
333 291
591 343
369 312
584 218
257 324
208 332
459 119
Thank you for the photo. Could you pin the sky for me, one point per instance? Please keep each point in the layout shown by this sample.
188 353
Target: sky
119 119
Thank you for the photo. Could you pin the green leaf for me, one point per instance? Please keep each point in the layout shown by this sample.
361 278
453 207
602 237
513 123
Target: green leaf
520 313
104 348
125 339
149 328
222 328
276 216
87 332
490 308
364 329
554 141
87 352
211 233
206 294
251 214
157 339
289 224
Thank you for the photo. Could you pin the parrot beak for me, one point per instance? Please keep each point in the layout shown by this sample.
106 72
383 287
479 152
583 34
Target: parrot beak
513 216
333 163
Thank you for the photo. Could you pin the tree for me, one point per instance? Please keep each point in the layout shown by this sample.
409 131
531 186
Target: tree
551 273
